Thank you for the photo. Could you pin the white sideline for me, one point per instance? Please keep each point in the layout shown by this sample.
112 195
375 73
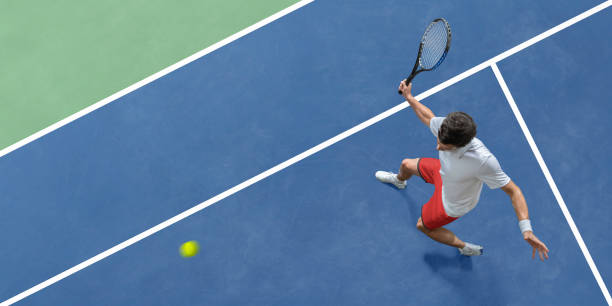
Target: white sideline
551 182
286 163
153 77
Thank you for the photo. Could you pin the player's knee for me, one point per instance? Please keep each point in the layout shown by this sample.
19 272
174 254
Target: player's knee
409 164
421 227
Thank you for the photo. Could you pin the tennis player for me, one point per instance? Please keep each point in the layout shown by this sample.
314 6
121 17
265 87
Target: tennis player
464 164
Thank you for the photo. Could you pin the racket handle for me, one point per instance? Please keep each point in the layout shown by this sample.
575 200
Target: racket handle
408 80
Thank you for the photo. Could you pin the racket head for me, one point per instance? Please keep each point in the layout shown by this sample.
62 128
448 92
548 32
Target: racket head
433 48
435 44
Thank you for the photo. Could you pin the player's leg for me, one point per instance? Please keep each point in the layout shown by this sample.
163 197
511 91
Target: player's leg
447 237
441 235
408 168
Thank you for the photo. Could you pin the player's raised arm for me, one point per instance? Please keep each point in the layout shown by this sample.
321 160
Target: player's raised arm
425 114
522 213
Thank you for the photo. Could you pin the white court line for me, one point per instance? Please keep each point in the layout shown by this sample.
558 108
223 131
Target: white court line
268 20
299 157
116 96
519 47
551 182
152 77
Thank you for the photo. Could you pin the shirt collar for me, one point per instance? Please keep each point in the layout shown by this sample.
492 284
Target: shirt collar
461 151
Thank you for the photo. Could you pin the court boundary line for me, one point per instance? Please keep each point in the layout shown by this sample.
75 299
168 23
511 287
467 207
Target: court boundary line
155 76
304 154
551 183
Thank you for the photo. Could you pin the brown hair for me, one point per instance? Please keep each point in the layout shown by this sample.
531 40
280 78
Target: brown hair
457 129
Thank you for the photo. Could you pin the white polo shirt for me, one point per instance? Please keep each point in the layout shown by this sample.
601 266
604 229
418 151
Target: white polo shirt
463 170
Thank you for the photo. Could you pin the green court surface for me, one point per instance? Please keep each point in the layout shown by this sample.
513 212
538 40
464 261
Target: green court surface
58 57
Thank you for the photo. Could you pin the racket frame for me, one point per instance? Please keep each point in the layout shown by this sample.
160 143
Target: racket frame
417 69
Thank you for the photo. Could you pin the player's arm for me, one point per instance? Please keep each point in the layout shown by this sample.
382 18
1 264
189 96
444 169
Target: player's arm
522 213
423 112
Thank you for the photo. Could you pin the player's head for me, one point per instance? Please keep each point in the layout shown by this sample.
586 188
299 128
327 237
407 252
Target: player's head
457 130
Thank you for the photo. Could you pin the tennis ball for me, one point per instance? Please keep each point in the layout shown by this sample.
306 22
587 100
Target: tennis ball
189 248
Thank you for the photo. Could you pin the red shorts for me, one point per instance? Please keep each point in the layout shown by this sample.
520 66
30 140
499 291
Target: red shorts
433 214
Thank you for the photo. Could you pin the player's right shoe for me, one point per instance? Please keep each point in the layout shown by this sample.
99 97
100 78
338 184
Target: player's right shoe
390 178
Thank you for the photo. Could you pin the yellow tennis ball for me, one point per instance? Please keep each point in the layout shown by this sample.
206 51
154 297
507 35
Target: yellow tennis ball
189 248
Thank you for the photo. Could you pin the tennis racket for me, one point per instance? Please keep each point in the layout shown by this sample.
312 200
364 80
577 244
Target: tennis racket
433 48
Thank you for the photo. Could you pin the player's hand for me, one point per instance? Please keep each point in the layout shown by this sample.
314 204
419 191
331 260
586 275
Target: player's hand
536 244
405 89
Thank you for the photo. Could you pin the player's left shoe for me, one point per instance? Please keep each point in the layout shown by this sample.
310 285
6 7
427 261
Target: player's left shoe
471 250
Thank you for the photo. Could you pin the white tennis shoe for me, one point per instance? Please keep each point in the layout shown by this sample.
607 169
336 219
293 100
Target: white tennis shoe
390 178
471 250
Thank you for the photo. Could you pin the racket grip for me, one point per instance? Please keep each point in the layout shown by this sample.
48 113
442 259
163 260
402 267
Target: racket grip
408 80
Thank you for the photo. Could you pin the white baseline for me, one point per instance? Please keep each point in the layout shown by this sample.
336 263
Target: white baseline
298 157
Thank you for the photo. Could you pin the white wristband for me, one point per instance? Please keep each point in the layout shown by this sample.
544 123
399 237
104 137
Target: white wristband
525 225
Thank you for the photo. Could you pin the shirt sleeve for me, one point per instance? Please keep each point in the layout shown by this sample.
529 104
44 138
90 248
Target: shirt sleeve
434 125
492 174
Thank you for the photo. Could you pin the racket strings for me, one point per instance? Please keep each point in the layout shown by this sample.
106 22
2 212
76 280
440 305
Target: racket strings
435 42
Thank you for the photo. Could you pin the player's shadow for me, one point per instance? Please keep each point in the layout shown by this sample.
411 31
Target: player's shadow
478 286
441 262
407 194
414 208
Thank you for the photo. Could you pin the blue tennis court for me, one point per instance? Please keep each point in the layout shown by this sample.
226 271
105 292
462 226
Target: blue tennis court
264 151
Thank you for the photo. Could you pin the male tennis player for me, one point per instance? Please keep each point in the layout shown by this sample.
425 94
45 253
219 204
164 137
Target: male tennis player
464 164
